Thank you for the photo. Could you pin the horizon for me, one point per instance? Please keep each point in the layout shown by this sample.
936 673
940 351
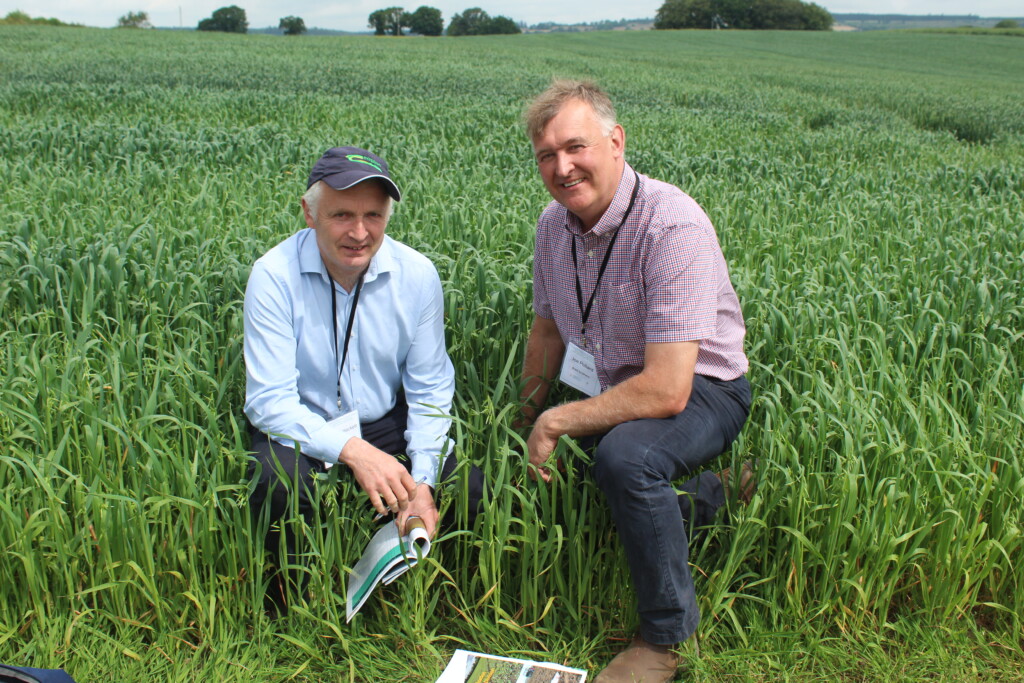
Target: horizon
625 20
352 15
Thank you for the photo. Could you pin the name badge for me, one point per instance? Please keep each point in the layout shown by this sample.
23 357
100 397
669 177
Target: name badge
579 371
348 426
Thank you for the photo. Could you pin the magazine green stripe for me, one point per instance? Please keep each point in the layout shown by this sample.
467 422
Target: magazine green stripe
367 585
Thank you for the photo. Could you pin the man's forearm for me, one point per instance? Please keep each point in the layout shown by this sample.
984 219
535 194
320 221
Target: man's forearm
428 433
660 391
627 401
544 350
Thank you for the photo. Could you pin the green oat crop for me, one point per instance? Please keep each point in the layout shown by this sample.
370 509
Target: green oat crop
868 191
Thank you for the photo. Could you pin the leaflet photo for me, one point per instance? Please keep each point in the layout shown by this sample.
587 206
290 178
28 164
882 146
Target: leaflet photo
473 667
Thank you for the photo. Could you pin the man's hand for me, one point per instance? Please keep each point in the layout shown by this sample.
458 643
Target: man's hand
385 480
421 505
541 444
660 390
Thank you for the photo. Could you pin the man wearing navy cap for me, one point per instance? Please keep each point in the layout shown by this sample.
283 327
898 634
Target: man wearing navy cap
345 352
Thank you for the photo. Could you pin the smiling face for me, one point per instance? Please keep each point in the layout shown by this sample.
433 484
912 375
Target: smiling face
580 163
349 227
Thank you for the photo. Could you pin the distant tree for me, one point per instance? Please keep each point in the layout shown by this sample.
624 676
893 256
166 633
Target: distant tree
292 26
816 18
472 22
476 22
378 22
457 25
17 17
1007 23
743 14
134 20
683 14
425 21
502 25
389 21
229 19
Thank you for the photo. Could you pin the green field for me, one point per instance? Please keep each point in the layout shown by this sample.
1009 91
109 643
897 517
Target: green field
868 191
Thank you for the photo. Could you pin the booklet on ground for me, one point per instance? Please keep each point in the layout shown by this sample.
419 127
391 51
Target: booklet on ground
473 667
387 557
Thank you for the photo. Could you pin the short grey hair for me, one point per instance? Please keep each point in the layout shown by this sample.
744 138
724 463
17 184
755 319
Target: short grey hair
547 105
312 199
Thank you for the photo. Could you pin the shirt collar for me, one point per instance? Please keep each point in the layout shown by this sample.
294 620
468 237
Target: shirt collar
310 262
615 214
383 261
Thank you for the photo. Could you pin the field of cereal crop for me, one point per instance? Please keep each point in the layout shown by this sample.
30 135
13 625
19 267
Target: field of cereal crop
868 192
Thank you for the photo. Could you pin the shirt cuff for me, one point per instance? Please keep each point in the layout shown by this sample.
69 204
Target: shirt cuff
426 468
327 442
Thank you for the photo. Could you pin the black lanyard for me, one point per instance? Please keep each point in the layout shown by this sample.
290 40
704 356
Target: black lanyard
585 310
348 330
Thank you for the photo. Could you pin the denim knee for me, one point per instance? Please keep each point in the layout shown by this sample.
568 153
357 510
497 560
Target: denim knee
620 459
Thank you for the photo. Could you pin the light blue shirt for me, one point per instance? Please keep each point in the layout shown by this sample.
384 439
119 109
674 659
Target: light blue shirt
397 342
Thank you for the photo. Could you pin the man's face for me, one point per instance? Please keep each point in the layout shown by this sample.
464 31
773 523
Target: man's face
580 165
349 228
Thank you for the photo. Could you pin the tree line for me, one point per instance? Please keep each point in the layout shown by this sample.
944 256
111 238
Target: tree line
19 18
743 14
427 21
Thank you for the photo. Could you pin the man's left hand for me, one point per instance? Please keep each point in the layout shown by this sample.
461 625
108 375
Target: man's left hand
420 505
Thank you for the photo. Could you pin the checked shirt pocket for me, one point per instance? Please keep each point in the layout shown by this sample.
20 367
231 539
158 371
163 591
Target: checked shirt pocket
627 310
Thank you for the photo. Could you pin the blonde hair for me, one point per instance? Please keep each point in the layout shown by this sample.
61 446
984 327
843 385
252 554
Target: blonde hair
547 105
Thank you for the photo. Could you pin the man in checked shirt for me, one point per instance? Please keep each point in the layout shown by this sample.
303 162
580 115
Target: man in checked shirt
634 308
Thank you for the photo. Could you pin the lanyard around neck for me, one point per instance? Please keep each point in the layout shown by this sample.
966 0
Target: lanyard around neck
585 310
348 329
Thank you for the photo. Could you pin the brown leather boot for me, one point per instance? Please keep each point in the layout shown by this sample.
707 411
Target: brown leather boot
747 483
641 662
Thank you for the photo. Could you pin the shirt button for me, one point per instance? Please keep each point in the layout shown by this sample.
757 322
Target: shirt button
590 253
598 345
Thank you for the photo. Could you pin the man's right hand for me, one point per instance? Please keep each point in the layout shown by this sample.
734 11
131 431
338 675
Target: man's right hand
385 480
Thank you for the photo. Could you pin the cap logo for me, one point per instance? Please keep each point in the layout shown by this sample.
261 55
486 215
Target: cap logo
360 159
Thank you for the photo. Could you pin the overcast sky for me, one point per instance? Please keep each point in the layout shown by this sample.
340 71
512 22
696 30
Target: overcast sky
351 15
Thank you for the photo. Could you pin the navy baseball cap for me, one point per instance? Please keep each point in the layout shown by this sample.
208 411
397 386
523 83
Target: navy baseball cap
343 167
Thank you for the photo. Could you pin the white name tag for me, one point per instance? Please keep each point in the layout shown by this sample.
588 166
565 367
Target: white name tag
347 425
579 371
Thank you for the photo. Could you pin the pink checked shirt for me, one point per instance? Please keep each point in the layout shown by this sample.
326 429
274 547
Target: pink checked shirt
666 281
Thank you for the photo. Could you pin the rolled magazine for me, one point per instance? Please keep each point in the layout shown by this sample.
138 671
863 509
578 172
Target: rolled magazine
387 557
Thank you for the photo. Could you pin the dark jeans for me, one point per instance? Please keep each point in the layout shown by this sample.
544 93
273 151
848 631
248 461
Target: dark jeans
635 465
387 434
